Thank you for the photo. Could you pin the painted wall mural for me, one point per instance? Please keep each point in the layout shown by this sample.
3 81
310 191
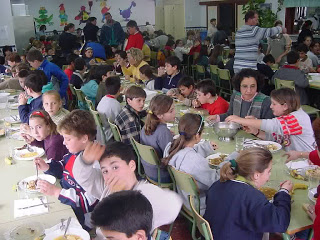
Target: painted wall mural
57 14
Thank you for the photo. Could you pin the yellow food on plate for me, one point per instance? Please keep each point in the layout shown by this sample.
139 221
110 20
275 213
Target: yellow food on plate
8 160
68 237
313 172
296 175
29 155
272 147
300 186
31 185
268 192
218 160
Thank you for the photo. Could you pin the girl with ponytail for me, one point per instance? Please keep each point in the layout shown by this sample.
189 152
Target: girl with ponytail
156 134
237 204
187 154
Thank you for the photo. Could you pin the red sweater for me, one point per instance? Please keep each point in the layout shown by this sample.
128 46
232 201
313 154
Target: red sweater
195 49
68 72
219 106
135 41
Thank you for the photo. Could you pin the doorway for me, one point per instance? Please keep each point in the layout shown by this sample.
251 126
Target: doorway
226 15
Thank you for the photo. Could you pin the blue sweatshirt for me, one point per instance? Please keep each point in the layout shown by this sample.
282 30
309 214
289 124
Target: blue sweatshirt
72 193
27 109
167 81
237 210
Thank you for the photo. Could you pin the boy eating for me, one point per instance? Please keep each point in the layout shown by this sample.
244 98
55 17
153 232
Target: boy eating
118 174
207 98
78 130
185 92
129 216
129 119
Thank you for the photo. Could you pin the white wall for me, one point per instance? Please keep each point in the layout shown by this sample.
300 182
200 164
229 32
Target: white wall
6 25
143 11
195 14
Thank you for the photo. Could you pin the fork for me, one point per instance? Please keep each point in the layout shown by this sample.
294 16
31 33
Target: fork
62 224
29 148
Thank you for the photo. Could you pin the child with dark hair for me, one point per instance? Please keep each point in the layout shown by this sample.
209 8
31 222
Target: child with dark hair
265 69
207 98
185 92
305 63
291 72
77 78
216 56
33 88
91 84
147 75
109 107
203 59
260 53
291 127
78 130
120 56
135 39
168 76
129 119
129 216
102 73
188 155
180 50
70 61
117 174
156 134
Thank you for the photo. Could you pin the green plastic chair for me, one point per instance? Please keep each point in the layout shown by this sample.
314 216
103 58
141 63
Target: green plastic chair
279 83
72 103
226 53
140 167
225 83
202 224
200 72
215 75
64 67
89 103
186 183
97 120
81 99
153 58
148 154
115 131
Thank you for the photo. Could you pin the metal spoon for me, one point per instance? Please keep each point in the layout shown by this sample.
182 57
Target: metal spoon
65 231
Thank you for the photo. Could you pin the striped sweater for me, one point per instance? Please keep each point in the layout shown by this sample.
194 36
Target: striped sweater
247 43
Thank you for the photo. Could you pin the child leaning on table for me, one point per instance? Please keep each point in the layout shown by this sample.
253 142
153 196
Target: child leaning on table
42 132
185 92
207 98
235 202
33 88
156 134
118 173
78 130
291 127
129 216
188 155
129 119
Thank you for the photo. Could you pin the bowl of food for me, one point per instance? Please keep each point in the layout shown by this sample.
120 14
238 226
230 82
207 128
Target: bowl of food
27 231
216 159
226 131
73 233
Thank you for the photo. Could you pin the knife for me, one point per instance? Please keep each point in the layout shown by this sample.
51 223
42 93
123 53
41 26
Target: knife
37 205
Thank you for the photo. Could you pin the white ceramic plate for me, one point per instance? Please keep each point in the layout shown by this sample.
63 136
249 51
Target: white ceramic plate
84 235
11 120
23 183
311 194
260 142
216 155
18 154
14 106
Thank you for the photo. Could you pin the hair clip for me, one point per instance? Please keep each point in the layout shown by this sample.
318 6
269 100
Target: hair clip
182 133
38 113
233 164
150 112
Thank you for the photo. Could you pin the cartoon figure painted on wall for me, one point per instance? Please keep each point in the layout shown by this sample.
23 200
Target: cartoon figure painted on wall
43 18
63 16
104 9
127 12
83 14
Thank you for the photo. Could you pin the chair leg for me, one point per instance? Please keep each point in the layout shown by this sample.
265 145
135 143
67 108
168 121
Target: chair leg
310 234
285 236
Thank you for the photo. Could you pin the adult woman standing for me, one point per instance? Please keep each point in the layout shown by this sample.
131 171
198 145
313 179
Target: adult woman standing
67 40
247 100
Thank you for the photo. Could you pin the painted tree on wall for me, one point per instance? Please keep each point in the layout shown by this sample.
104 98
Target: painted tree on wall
43 18
62 15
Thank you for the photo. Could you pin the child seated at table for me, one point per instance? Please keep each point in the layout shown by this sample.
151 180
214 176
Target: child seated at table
33 88
169 76
147 76
185 92
52 104
42 132
291 127
235 202
102 72
129 119
129 216
117 174
305 63
109 107
78 130
91 85
70 61
156 134
77 77
207 98
188 155
120 56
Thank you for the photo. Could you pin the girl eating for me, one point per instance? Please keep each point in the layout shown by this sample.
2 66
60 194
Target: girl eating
42 132
237 209
156 134
291 127
188 155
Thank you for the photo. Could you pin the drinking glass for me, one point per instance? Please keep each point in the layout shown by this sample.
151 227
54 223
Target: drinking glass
239 143
314 180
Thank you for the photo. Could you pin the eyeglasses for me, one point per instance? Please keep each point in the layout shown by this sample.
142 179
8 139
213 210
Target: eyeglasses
246 86
202 120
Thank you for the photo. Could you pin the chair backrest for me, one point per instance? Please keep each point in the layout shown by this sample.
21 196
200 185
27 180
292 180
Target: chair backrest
279 83
115 131
147 153
214 69
89 103
224 74
200 69
202 224
153 55
71 87
81 97
97 120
